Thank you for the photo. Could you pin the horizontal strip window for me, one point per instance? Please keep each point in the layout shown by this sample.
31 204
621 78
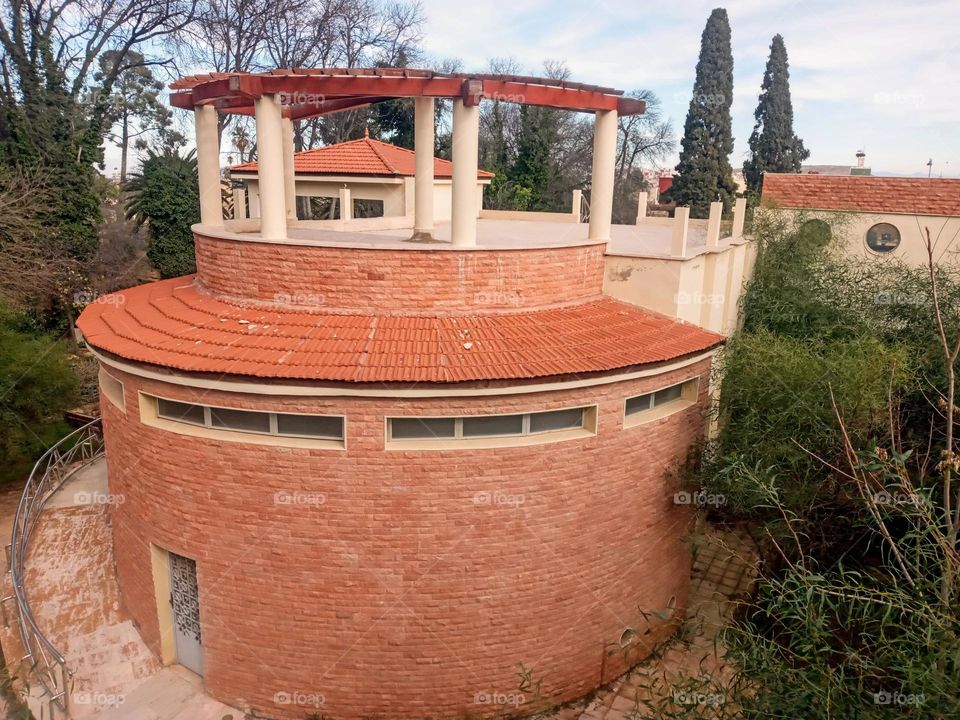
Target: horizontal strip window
112 389
323 427
478 427
663 401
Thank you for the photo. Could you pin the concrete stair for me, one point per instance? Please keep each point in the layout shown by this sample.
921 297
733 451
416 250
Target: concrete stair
174 693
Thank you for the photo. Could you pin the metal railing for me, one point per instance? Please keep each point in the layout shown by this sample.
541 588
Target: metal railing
76 450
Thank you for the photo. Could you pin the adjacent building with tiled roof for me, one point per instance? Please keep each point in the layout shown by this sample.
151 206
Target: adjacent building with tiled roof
379 177
876 216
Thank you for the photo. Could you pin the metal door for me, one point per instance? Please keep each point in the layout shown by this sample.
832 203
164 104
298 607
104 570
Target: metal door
185 598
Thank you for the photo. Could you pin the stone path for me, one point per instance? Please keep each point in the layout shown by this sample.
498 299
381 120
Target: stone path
723 570
76 602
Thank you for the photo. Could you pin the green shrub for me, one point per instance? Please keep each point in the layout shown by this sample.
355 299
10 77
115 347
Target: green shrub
36 386
165 195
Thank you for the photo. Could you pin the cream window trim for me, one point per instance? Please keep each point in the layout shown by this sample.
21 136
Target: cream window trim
149 416
112 389
524 439
689 392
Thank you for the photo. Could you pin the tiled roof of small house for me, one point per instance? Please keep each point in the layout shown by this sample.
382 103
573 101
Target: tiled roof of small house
365 156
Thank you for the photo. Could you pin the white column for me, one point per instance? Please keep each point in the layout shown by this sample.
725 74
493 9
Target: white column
346 204
604 157
739 217
423 141
466 138
208 165
713 224
253 193
575 204
239 203
273 213
678 243
289 183
641 206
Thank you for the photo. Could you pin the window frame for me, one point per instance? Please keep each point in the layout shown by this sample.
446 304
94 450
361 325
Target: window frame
116 394
150 415
689 394
882 253
587 428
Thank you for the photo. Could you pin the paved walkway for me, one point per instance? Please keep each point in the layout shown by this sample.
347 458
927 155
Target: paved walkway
76 602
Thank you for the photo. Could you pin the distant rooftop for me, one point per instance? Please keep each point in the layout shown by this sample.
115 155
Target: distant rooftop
864 193
365 156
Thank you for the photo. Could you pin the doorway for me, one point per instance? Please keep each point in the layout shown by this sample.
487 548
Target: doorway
185 602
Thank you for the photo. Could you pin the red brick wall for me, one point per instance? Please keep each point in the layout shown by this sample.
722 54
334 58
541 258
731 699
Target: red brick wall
399 597
399 280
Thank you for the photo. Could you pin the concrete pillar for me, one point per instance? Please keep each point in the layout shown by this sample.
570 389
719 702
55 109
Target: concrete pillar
239 204
713 224
739 217
424 109
641 206
466 138
253 195
604 157
678 244
576 204
273 213
346 204
208 165
289 182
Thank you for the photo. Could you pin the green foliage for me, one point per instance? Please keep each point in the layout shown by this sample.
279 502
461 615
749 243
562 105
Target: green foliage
705 174
829 446
774 147
36 386
165 195
533 167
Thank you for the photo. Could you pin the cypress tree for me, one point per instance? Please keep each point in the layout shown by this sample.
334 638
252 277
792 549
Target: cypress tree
704 170
773 145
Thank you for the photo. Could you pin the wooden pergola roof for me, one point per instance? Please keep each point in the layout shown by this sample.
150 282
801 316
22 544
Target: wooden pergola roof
320 91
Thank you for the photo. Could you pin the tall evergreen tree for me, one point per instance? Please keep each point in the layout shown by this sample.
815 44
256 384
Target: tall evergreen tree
704 170
773 145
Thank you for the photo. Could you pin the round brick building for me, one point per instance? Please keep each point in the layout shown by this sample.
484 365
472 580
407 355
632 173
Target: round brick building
370 477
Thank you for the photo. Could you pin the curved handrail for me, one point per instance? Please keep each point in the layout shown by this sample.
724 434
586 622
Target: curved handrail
55 466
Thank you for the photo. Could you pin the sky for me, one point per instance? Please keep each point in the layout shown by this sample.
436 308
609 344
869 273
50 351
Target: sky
881 76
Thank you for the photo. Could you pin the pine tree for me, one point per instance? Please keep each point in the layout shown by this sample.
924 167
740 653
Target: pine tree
773 145
704 170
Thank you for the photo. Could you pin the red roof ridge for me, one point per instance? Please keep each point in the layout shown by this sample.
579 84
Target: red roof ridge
373 146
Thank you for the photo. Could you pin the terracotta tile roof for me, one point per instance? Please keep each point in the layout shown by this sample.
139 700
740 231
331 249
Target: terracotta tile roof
863 193
365 156
173 323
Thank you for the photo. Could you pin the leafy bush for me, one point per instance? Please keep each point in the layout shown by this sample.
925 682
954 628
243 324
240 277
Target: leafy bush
36 386
166 196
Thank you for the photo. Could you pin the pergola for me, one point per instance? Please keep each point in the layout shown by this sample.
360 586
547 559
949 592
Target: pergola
279 97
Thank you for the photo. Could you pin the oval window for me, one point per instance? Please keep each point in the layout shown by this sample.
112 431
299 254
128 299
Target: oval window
883 238
817 231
